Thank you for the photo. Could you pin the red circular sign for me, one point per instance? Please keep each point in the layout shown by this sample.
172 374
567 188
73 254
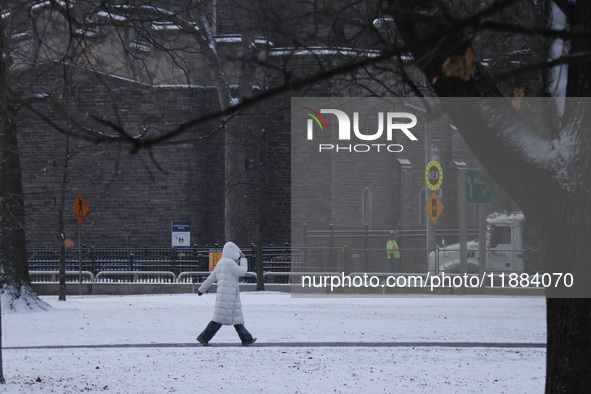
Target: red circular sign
433 175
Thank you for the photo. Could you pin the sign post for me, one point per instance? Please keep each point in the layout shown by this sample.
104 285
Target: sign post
478 193
80 209
434 207
462 220
434 179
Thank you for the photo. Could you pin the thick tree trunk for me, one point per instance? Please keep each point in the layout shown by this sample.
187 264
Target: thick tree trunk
569 345
234 187
237 135
259 218
13 248
567 238
565 249
234 219
559 211
61 227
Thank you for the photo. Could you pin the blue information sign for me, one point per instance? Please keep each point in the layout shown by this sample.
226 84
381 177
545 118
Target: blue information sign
181 234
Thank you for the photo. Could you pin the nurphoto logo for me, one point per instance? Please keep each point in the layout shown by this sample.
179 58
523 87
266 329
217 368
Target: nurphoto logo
388 123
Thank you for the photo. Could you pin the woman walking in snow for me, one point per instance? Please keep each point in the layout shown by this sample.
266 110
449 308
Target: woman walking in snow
228 308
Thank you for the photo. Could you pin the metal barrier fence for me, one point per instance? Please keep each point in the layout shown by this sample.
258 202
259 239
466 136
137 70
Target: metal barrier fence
53 276
147 264
136 277
325 249
95 259
364 249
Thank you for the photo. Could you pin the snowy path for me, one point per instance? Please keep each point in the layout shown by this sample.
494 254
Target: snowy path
508 345
146 344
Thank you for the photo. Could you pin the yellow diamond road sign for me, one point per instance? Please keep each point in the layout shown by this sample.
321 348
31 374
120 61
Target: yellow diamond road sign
434 207
80 208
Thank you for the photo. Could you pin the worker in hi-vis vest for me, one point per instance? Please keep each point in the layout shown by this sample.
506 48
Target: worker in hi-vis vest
393 251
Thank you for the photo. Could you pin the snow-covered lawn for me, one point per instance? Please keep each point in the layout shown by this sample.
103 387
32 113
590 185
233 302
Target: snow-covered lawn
276 318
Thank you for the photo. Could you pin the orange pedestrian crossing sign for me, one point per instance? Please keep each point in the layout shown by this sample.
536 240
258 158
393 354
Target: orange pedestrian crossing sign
434 207
80 208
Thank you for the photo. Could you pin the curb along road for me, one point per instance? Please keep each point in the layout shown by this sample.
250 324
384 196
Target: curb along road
506 345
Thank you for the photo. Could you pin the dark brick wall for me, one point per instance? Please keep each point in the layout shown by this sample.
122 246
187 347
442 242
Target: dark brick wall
134 197
133 202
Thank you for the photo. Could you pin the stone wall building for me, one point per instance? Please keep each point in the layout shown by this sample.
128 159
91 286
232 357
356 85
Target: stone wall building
134 196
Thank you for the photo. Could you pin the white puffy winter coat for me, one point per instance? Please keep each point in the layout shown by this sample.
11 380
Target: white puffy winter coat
228 308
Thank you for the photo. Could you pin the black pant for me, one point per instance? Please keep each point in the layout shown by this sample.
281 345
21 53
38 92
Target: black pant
213 327
395 264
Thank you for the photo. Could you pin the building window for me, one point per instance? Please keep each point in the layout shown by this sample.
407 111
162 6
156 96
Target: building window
139 40
366 203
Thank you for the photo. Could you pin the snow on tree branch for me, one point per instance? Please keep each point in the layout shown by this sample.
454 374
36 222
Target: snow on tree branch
519 134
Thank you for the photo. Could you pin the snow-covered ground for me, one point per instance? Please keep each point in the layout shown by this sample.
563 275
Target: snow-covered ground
279 362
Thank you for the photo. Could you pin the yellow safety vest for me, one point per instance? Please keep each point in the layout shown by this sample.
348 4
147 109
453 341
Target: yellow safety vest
393 251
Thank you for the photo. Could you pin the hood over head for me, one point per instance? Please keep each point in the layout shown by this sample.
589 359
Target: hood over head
231 251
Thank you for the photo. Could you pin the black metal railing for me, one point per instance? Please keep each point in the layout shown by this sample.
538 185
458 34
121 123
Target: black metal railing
331 248
133 263
364 248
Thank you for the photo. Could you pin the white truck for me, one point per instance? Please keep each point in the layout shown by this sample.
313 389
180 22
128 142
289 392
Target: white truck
510 247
